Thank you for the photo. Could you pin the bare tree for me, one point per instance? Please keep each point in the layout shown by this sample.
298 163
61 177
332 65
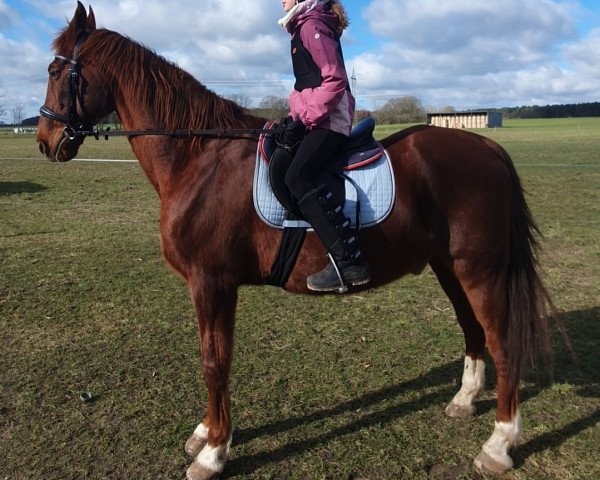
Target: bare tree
273 107
448 109
111 119
17 112
401 110
2 107
242 100
361 115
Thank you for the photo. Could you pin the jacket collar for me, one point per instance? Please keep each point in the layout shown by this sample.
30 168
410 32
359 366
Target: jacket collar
296 10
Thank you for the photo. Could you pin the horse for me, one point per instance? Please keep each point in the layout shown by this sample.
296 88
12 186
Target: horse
459 208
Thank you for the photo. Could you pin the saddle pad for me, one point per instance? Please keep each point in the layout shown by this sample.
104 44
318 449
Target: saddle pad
373 184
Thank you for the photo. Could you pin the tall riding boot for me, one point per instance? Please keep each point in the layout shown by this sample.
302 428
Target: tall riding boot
333 228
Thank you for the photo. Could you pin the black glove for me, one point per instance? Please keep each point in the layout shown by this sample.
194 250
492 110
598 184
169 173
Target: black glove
292 135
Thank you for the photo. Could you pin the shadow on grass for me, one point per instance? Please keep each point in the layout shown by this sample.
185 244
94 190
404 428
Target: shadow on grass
583 328
582 372
13 188
437 376
555 438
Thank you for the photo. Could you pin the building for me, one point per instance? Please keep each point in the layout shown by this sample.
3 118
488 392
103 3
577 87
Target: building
477 119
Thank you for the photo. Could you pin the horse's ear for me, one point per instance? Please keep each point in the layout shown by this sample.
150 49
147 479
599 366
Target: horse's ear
91 20
79 22
65 42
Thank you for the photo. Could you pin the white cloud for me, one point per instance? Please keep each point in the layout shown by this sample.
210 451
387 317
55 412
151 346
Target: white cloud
229 45
23 75
450 25
585 55
7 15
470 54
457 52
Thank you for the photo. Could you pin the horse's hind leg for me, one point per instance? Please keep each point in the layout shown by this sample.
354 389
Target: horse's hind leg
494 455
473 378
486 292
210 442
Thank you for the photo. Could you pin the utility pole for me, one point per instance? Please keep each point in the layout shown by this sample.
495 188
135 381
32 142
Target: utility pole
353 89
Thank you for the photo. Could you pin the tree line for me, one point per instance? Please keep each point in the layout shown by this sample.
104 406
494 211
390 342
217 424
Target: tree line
552 111
407 109
410 109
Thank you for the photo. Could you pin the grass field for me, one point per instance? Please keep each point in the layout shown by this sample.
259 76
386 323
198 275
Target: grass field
341 387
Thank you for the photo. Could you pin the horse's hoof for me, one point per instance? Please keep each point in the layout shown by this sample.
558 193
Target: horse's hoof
460 411
194 445
198 472
487 464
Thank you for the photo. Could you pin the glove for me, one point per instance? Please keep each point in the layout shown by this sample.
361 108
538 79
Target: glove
295 125
293 134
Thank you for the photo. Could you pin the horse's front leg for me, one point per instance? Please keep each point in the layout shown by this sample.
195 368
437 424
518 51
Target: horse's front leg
210 442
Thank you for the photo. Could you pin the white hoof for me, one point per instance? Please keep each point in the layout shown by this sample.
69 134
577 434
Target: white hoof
194 445
460 411
496 465
199 472
197 441
494 456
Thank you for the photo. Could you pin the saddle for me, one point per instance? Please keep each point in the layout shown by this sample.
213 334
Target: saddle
360 149
360 175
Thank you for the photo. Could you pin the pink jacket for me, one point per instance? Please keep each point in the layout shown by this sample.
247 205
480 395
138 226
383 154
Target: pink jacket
330 105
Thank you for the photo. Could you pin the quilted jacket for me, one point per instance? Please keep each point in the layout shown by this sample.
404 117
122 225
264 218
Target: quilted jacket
330 105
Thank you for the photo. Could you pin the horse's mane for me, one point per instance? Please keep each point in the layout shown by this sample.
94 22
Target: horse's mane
175 98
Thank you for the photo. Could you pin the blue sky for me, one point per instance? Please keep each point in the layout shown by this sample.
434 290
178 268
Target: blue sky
459 53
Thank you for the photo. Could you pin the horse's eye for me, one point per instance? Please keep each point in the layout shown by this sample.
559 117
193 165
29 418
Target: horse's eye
54 73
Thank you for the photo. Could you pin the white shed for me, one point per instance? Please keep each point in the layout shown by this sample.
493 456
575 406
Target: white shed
475 119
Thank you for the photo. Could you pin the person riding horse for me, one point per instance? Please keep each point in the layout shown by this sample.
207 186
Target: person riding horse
321 113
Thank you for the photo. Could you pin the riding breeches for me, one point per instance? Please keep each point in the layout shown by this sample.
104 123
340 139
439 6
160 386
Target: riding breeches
315 151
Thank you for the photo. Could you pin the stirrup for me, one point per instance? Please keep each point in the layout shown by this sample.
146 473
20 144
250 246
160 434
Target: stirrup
343 287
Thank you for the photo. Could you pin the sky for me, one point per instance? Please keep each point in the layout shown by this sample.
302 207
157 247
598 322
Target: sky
461 53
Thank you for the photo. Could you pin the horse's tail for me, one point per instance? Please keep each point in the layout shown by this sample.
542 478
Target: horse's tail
529 304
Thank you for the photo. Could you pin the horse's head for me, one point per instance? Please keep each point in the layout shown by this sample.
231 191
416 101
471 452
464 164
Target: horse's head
75 99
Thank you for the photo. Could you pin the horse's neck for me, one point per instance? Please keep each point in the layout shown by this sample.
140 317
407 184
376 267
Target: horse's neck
171 164
156 154
165 160
152 152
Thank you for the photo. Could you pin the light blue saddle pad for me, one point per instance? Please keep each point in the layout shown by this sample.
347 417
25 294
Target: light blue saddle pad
372 184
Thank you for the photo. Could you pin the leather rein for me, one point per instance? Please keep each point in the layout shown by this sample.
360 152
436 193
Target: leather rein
76 127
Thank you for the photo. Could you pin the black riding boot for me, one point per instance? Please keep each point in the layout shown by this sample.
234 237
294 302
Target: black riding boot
333 228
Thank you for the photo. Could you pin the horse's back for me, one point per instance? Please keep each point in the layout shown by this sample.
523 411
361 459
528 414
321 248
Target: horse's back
457 184
445 149
450 163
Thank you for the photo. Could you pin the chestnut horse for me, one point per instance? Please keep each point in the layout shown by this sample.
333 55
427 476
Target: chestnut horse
460 208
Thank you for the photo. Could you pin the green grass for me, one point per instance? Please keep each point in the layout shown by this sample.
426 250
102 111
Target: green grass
340 387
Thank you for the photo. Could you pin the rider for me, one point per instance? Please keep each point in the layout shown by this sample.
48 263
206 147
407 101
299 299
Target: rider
322 108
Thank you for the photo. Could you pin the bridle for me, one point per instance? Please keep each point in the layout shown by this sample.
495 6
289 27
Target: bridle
77 127
74 125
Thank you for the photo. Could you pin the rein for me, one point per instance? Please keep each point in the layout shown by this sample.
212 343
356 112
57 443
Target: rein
77 127
72 133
